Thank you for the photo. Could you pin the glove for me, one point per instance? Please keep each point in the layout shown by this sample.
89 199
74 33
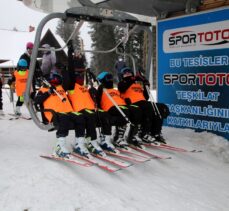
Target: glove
51 90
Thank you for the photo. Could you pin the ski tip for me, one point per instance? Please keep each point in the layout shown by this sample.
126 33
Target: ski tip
131 164
196 150
113 171
118 170
162 158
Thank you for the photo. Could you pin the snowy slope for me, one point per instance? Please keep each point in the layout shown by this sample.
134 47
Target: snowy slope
190 182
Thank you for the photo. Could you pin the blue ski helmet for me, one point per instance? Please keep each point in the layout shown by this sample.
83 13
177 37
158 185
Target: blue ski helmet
105 77
22 63
101 76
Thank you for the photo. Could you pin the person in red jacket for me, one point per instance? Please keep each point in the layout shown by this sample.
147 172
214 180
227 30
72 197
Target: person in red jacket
62 115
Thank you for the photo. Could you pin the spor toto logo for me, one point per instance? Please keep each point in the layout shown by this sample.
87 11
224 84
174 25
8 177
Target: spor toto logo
216 37
200 37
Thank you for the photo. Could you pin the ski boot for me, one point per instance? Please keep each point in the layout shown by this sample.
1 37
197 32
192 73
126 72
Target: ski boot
159 138
94 148
134 136
148 139
119 140
60 149
17 111
80 148
136 141
107 145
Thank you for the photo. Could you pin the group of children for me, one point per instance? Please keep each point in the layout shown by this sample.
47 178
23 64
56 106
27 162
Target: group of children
104 119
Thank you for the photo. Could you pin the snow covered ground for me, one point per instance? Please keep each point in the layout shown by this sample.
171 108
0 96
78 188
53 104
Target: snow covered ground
189 181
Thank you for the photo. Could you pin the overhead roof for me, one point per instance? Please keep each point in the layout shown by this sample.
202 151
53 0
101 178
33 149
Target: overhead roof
153 8
157 8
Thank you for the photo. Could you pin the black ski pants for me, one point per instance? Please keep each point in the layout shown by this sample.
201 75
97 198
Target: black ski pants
132 112
102 120
20 101
151 122
135 114
116 118
66 122
94 119
90 123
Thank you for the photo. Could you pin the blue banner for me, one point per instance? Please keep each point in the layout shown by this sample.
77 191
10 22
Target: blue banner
193 71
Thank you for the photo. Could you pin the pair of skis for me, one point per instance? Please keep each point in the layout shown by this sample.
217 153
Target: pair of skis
102 161
130 154
93 160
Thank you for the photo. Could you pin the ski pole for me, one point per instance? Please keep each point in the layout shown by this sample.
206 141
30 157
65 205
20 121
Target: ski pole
152 101
91 78
63 99
154 105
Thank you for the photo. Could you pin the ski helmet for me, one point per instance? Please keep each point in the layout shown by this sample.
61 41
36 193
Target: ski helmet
126 71
105 76
101 76
29 45
22 64
106 79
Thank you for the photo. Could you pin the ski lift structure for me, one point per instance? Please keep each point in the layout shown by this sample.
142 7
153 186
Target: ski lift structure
80 15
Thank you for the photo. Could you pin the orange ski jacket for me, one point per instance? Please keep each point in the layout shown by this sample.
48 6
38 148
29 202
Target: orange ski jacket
80 98
106 103
54 102
134 93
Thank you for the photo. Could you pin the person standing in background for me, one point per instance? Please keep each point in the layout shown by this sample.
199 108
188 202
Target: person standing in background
27 56
48 61
20 77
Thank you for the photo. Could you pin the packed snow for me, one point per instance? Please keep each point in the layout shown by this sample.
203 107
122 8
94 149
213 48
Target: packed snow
189 181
